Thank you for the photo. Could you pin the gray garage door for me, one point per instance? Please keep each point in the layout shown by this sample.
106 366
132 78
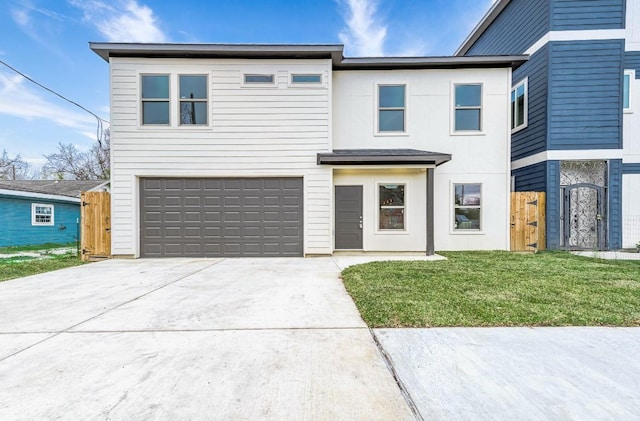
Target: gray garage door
221 217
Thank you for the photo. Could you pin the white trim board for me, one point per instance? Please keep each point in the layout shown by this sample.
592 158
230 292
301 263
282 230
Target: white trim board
30 195
597 34
567 155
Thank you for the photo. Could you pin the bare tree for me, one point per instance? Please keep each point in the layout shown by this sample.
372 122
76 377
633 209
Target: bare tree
15 168
71 164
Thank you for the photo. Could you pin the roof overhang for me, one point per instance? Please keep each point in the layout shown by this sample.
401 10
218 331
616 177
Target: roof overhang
385 157
38 196
263 51
334 52
482 26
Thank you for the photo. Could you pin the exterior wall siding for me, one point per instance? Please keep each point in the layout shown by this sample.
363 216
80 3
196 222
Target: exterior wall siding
531 178
16 228
585 104
253 132
519 25
632 62
615 204
553 204
572 15
533 138
631 168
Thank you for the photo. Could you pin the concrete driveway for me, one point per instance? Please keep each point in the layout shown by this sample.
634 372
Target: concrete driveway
190 339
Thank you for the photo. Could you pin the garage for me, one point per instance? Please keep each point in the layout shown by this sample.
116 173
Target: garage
221 217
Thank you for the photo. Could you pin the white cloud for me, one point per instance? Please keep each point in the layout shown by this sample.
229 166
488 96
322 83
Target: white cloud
122 20
364 34
19 100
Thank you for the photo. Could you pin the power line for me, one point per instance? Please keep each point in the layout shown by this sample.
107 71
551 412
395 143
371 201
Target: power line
98 119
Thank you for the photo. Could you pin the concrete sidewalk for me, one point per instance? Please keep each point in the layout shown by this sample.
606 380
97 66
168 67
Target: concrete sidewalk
572 373
190 339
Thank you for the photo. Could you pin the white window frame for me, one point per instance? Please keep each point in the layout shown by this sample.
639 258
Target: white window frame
319 84
632 78
514 103
376 119
143 100
271 84
34 222
455 132
379 207
180 100
453 207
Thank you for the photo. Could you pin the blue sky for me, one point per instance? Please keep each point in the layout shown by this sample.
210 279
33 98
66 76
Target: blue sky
48 41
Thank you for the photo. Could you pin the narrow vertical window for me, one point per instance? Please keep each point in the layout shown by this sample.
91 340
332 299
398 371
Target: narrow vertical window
193 100
392 207
466 206
468 107
391 108
155 99
519 106
629 77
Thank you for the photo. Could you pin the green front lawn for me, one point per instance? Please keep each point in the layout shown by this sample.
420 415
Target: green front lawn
19 266
497 289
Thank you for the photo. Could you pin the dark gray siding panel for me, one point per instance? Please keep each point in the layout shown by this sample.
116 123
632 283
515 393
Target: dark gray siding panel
585 88
615 204
553 205
517 28
631 168
533 138
632 62
221 217
531 178
571 15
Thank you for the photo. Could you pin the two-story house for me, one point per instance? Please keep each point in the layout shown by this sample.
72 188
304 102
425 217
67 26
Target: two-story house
294 150
575 112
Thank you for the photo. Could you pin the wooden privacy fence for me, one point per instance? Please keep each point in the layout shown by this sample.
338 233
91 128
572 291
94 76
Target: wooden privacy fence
528 221
95 214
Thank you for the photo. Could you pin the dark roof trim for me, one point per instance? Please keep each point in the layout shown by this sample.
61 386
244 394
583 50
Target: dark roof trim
382 157
387 63
265 51
299 51
482 26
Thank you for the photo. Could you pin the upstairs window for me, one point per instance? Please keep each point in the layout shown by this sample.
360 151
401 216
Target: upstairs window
391 215
41 214
468 107
256 78
306 79
519 106
466 207
629 77
193 99
391 108
155 99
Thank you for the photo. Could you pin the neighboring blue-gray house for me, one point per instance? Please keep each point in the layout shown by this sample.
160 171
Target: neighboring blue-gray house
42 211
575 112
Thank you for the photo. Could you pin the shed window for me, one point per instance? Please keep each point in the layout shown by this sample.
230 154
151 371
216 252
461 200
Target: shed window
468 107
391 207
193 99
391 108
41 214
467 206
155 99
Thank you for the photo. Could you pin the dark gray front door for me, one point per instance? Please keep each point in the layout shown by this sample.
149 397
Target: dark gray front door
349 217
584 217
221 217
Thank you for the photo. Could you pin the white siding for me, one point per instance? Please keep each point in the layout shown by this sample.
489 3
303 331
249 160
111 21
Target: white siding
252 132
480 158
